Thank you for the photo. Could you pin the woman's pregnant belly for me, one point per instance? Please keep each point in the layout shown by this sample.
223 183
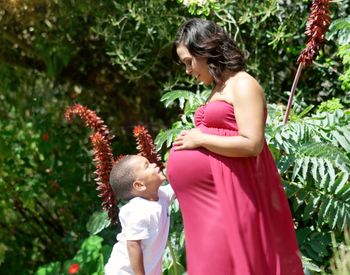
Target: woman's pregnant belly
189 173
188 169
190 176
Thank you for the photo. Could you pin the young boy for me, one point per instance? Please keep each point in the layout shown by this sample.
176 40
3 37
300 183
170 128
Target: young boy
144 219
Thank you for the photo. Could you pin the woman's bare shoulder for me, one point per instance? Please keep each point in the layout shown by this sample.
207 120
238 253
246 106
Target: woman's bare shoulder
245 79
246 86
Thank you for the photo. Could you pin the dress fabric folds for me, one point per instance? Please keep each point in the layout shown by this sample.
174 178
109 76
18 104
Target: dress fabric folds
236 215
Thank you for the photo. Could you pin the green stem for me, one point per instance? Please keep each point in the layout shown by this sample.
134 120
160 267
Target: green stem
172 254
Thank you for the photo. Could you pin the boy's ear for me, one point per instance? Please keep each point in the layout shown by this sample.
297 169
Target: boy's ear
139 185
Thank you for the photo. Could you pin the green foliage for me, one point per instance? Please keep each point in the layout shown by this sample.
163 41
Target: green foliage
312 154
203 7
340 29
91 258
146 26
330 105
49 269
42 193
188 102
175 250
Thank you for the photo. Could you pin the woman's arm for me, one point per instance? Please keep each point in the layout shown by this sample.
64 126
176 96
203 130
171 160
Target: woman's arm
136 256
249 106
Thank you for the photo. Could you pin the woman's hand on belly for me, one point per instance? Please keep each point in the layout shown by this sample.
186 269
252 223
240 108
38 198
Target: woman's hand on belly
189 139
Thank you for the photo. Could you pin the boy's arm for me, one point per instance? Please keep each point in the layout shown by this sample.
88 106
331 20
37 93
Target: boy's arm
136 256
169 192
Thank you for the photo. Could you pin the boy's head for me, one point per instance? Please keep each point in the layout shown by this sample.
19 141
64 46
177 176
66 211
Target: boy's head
134 176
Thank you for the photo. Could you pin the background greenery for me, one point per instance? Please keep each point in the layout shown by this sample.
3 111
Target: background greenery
114 57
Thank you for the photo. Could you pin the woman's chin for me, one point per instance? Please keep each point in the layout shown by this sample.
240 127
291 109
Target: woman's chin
205 82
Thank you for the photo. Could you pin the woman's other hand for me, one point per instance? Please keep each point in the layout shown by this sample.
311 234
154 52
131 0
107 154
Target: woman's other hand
189 139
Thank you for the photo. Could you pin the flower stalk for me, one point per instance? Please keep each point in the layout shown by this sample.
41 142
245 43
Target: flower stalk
317 26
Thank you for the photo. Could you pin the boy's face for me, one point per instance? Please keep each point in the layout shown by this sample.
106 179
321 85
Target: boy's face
147 173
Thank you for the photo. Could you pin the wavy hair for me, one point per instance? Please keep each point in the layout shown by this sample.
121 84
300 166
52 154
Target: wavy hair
206 39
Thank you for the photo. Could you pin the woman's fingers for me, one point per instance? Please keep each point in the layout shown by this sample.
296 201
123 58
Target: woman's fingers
181 135
178 143
178 147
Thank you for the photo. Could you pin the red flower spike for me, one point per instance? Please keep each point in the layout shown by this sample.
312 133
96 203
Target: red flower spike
103 156
146 147
317 25
90 118
104 159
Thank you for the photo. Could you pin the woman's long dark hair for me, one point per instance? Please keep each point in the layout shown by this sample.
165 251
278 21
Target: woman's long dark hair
206 39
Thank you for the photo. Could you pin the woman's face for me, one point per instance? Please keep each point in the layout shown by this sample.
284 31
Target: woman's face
195 66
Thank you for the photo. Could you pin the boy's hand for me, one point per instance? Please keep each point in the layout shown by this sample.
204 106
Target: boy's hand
136 256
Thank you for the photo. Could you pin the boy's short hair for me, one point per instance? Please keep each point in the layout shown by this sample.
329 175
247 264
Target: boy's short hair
122 177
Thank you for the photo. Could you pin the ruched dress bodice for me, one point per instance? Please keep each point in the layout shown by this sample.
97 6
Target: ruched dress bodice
236 216
216 115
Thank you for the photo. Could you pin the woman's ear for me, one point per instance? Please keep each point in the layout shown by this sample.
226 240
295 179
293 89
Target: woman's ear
138 186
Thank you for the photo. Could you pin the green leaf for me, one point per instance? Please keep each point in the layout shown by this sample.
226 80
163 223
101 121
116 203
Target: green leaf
167 137
321 168
314 169
340 183
284 163
342 217
318 247
302 234
342 141
305 111
305 167
324 208
50 269
170 97
331 171
97 222
309 265
298 164
333 215
170 270
311 206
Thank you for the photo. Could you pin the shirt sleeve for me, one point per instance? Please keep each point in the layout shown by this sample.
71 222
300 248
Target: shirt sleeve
168 192
138 226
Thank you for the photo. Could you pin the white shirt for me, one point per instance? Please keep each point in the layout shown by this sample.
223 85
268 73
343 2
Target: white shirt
147 221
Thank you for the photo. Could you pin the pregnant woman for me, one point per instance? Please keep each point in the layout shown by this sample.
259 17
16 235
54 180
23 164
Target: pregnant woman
236 215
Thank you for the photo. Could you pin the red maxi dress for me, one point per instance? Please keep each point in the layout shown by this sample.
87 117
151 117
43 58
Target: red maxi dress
236 215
